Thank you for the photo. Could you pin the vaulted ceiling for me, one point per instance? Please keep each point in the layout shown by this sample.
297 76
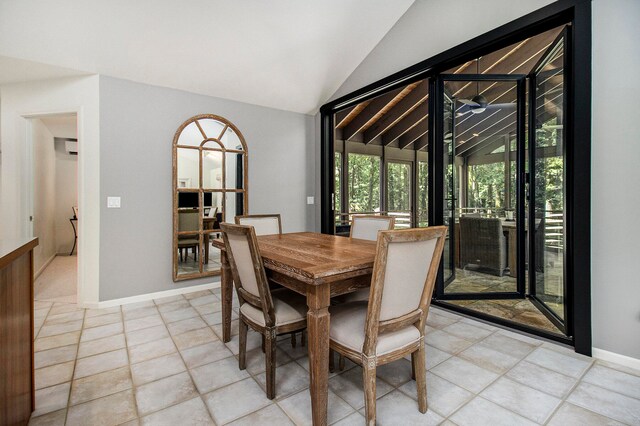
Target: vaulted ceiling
285 54
399 118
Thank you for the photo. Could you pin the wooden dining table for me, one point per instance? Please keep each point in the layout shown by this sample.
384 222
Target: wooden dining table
318 266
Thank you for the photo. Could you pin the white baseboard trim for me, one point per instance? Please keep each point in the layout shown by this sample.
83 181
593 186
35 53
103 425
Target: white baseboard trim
150 296
43 267
623 360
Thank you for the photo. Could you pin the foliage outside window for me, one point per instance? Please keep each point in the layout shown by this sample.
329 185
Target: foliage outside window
337 183
423 194
364 183
486 186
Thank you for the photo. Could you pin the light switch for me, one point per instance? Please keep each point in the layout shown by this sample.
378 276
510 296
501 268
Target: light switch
310 200
113 202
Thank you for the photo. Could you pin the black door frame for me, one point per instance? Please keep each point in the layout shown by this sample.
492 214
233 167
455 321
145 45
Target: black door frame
577 13
520 81
563 324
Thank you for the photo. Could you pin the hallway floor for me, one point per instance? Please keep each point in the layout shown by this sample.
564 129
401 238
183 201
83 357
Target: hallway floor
59 281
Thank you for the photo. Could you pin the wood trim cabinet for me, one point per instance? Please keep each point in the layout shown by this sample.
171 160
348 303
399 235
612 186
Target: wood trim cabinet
17 388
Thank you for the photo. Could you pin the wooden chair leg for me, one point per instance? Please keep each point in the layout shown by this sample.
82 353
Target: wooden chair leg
340 362
332 366
369 379
263 344
242 345
293 340
270 360
303 338
418 361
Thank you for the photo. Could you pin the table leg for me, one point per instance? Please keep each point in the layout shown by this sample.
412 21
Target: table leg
318 298
206 248
226 293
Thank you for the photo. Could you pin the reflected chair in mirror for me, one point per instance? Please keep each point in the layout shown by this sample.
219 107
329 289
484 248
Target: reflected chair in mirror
188 221
483 244
270 313
264 224
391 325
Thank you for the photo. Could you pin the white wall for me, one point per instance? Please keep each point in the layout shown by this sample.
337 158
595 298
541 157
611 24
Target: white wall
615 171
78 95
66 194
44 164
137 125
615 177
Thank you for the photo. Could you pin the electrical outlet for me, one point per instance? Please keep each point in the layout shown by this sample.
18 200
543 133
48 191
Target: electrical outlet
113 202
310 200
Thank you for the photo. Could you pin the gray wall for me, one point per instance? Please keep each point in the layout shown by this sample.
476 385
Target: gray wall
137 124
615 171
615 177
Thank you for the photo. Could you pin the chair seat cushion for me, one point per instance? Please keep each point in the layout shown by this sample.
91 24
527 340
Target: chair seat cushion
288 306
347 328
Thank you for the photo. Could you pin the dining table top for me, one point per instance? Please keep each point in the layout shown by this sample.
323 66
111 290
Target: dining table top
313 257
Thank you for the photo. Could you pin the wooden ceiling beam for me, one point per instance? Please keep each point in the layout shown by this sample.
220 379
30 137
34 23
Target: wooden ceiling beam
375 106
416 97
412 135
342 115
421 142
412 119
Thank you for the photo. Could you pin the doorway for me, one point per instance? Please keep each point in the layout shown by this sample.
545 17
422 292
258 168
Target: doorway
53 143
504 169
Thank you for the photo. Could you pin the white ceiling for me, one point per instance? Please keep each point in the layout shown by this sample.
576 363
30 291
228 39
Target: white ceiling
286 54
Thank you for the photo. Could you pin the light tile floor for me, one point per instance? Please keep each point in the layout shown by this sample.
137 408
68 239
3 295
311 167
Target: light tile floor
162 363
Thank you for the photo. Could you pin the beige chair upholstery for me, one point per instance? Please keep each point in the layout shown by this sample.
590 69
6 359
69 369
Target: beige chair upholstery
391 325
366 227
269 314
264 224
188 221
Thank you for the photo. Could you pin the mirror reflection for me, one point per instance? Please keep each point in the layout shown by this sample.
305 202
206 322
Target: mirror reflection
209 184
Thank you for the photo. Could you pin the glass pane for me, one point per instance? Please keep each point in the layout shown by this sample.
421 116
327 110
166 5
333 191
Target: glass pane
479 179
211 259
234 170
341 221
449 192
423 194
188 251
190 136
212 128
212 170
233 206
549 184
231 140
188 168
364 183
399 193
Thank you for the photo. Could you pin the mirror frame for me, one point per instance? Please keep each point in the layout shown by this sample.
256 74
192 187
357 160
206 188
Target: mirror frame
200 190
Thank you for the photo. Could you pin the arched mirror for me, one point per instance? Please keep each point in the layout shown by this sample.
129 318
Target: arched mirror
209 187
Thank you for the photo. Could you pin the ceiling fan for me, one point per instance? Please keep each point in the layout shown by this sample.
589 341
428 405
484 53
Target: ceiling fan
479 104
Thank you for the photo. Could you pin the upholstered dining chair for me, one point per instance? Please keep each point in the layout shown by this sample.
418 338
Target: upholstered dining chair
366 227
391 325
267 224
188 221
264 224
269 313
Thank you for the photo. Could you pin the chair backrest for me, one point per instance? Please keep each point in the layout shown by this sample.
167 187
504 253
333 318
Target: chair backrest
404 274
188 220
247 269
366 227
264 224
481 231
